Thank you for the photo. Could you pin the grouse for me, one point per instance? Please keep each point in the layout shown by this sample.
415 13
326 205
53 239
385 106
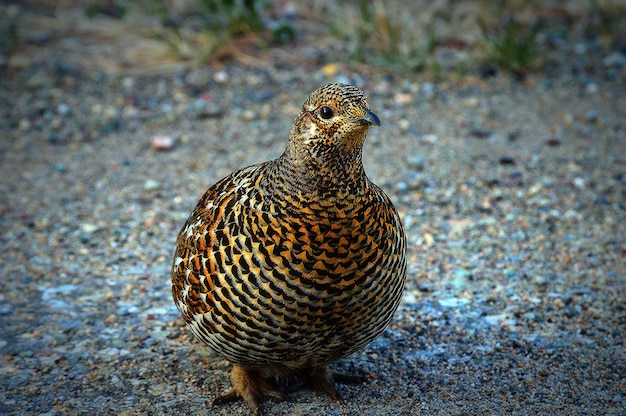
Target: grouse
286 266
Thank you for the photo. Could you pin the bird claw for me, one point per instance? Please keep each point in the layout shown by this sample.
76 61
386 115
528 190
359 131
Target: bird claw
349 378
231 396
323 380
249 386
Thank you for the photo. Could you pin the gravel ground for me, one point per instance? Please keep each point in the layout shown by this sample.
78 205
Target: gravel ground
512 195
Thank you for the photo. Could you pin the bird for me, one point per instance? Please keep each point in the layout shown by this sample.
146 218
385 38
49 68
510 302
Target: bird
286 266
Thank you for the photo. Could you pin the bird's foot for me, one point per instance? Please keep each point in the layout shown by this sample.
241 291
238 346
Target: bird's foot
323 380
349 378
249 386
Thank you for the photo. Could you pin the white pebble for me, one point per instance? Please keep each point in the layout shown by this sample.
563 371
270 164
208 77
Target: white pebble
220 77
453 302
162 142
404 124
579 183
88 228
24 124
63 108
248 115
409 298
151 185
470 102
128 82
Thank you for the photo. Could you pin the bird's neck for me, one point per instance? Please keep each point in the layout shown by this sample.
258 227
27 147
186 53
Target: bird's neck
323 175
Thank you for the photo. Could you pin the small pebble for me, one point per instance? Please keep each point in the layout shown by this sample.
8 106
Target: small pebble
429 240
220 77
592 116
535 188
453 302
471 102
128 83
404 124
330 70
163 143
409 298
200 77
570 213
248 115
615 59
460 279
402 98
402 187
206 109
24 124
427 90
151 185
416 162
568 119
88 228
415 180
480 133
63 108
507 160
344 79
579 183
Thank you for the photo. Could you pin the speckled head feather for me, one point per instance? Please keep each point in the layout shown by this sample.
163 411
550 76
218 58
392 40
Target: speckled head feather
339 111
344 99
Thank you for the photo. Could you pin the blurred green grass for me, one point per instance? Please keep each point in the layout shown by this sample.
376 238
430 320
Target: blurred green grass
435 38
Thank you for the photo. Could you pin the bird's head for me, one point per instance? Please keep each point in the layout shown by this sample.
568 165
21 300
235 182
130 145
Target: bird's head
327 137
335 114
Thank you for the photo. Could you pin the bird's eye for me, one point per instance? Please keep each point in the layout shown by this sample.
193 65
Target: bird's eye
326 112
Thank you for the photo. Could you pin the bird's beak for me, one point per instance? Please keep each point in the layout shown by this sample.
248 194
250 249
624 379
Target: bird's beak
369 119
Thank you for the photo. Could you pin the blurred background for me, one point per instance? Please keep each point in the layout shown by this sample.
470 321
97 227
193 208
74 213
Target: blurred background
434 39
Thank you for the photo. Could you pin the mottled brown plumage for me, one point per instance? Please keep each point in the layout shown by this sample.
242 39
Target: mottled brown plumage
285 266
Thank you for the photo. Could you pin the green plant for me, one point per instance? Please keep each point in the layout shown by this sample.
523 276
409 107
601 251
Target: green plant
197 30
110 8
513 47
384 32
9 31
607 19
154 8
238 16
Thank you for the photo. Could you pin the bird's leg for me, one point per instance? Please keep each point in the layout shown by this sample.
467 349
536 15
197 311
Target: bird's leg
322 381
249 386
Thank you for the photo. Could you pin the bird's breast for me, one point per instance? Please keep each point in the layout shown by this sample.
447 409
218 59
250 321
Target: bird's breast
321 278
